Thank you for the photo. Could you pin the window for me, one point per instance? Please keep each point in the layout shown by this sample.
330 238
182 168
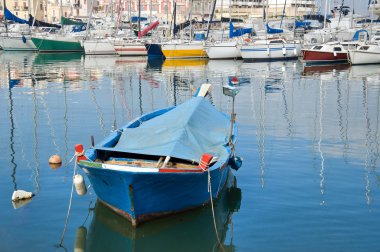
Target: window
337 49
317 47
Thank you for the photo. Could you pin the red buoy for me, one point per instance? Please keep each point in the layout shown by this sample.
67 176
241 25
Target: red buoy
205 161
79 152
234 80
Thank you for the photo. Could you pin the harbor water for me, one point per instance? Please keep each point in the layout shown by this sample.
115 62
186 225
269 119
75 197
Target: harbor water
308 136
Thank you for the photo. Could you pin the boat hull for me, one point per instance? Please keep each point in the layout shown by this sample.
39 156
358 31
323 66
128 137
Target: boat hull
142 196
17 44
57 45
177 51
130 49
361 58
154 50
98 47
310 56
225 50
270 52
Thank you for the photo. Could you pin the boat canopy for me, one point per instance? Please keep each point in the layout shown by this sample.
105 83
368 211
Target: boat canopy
10 16
186 132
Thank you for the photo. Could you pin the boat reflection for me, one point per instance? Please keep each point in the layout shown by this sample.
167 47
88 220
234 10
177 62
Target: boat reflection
312 70
190 231
54 58
365 72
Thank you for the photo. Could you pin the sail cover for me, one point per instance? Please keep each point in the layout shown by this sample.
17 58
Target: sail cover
238 32
38 23
187 132
9 16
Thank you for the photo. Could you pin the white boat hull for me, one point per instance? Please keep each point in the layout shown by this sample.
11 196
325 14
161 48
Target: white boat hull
17 44
224 50
98 47
360 57
270 51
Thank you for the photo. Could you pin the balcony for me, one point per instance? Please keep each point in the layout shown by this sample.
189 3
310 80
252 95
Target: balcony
16 8
25 8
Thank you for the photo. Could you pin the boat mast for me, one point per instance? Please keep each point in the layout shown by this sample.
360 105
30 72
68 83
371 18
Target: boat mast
89 19
138 23
210 19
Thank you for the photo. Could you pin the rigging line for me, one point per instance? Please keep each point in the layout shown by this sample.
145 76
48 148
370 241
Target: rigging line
35 117
322 170
52 131
99 111
367 145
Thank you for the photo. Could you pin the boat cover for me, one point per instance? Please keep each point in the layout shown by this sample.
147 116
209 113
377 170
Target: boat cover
187 132
10 16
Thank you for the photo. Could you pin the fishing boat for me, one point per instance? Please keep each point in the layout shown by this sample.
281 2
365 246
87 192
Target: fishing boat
164 162
365 54
323 53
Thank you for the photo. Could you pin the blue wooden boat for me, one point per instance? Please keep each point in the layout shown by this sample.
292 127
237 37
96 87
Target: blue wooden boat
163 162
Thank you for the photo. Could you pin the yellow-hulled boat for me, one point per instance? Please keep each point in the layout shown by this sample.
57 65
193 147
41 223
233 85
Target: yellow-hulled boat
179 49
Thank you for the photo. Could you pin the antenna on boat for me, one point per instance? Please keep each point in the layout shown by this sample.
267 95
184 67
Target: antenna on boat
232 92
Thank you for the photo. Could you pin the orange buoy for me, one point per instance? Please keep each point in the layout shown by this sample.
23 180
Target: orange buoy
55 159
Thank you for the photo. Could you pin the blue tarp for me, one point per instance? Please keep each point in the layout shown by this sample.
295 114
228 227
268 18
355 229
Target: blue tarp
273 30
187 132
9 16
238 32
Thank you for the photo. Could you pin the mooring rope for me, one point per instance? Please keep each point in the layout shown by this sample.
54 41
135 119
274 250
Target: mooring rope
212 209
71 199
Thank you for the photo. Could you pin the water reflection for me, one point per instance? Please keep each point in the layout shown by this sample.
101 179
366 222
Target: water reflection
324 70
190 231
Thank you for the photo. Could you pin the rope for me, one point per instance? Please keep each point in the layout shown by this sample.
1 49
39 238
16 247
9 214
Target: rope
212 209
71 196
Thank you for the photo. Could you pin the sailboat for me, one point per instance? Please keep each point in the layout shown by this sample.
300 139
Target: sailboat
16 41
177 49
271 48
228 49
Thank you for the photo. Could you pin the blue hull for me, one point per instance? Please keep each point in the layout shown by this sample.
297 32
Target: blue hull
144 196
154 51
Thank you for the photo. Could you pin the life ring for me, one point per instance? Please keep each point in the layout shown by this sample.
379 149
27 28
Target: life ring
248 40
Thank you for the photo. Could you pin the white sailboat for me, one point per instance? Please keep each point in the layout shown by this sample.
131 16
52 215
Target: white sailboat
365 54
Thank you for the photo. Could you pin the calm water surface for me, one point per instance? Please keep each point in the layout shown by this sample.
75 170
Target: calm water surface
309 137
